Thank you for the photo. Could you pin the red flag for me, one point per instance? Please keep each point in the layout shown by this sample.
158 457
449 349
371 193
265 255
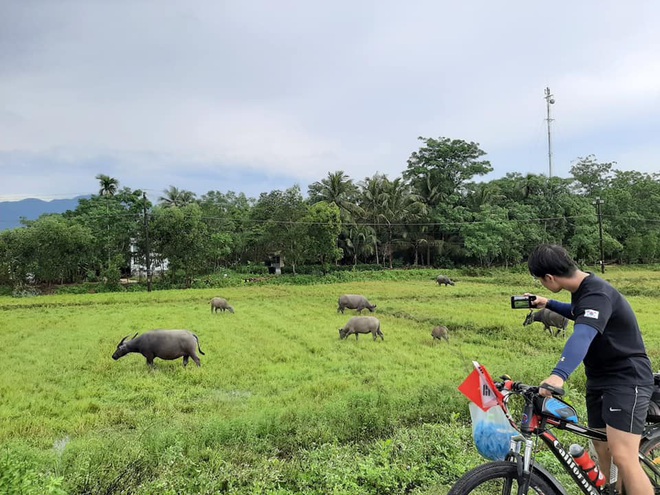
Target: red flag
479 388
471 388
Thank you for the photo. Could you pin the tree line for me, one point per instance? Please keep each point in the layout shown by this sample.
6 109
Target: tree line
434 214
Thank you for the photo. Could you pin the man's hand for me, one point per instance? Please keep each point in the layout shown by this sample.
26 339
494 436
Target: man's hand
553 381
539 302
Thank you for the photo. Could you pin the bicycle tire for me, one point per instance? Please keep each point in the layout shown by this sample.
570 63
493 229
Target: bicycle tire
498 477
650 447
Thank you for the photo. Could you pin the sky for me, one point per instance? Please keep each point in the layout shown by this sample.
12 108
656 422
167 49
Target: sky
256 95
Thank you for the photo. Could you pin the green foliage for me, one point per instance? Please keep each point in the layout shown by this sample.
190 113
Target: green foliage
433 215
440 167
112 274
19 476
180 236
25 291
113 218
281 231
324 225
49 250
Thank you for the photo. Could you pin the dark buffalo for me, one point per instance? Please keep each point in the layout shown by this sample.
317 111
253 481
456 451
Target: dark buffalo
163 344
549 319
440 332
362 324
443 279
354 301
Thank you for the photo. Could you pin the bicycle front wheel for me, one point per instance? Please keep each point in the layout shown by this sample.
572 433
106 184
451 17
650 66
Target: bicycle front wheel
498 478
650 447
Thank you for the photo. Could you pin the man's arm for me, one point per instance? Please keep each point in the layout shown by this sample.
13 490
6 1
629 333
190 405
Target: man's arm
564 309
574 351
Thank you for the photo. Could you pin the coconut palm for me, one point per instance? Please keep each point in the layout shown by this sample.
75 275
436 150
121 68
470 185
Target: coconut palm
339 189
109 185
401 208
360 241
176 198
372 191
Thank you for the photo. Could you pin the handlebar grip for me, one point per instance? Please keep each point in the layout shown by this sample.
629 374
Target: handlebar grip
553 390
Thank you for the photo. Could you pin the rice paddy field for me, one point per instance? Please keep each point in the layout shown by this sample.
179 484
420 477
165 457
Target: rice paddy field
280 405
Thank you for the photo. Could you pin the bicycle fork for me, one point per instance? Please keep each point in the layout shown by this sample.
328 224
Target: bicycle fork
521 449
524 459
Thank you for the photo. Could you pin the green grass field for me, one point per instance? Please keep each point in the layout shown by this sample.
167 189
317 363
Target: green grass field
280 404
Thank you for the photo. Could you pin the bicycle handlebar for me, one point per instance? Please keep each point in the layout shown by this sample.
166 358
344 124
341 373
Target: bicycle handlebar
523 389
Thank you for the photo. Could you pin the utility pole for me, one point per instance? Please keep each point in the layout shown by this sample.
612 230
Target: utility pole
598 202
549 100
147 256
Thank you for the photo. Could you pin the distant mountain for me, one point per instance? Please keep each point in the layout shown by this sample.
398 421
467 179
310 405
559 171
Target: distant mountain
12 211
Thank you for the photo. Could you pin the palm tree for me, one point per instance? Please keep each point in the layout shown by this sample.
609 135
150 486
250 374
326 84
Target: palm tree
337 188
400 208
372 190
176 198
108 185
360 240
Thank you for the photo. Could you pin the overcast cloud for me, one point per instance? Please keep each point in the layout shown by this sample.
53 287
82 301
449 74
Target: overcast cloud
256 95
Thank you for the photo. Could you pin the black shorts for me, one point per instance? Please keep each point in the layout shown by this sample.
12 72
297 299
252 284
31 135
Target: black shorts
623 407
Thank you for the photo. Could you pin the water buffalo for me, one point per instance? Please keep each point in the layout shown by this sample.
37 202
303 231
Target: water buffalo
440 332
354 301
361 324
549 319
443 279
163 344
218 303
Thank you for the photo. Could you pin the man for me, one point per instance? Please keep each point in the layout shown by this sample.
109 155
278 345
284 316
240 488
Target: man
607 339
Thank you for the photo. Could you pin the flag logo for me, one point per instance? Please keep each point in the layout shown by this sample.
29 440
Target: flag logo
591 313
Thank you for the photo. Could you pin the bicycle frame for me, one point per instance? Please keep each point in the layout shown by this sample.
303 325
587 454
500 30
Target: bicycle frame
535 424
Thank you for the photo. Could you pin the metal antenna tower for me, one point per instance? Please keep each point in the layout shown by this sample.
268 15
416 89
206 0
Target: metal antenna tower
549 100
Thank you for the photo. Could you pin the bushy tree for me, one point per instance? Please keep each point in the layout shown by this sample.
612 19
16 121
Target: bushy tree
323 227
279 216
228 219
54 249
441 167
180 236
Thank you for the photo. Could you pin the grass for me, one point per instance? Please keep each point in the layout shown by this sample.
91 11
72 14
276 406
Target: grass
280 404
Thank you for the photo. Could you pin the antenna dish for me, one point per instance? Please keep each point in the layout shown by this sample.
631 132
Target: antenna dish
552 101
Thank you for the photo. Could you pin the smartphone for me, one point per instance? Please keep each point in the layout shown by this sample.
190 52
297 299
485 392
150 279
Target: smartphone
522 302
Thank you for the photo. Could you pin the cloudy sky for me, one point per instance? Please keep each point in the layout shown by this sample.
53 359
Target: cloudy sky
256 95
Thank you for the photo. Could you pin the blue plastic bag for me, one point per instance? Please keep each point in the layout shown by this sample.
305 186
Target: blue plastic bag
492 432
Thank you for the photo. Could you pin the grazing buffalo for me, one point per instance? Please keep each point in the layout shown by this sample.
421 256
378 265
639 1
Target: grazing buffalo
163 344
361 324
218 303
549 319
354 301
443 279
440 332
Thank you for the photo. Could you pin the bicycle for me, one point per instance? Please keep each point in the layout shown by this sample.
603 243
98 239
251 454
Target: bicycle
519 473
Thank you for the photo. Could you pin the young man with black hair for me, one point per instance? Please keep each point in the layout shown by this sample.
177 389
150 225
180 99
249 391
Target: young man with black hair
607 339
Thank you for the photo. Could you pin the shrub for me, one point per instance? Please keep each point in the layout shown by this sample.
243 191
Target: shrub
25 291
19 476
